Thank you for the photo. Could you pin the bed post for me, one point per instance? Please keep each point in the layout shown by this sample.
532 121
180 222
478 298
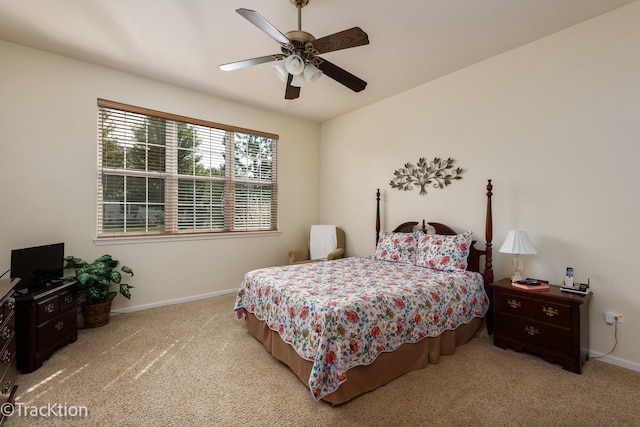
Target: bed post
377 216
488 266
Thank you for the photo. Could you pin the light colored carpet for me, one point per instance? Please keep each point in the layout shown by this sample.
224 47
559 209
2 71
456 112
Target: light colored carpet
193 364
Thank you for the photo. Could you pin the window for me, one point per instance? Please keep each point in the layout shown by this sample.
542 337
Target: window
162 174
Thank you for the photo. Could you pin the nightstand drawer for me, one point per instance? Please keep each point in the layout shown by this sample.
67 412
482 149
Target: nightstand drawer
551 312
47 309
513 304
538 334
50 333
67 300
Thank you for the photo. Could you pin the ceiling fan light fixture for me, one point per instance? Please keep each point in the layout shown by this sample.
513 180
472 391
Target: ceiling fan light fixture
294 64
299 53
299 80
281 71
311 73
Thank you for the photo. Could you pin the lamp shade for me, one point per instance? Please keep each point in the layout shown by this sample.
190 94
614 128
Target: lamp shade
517 242
294 64
311 73
281 71
298 80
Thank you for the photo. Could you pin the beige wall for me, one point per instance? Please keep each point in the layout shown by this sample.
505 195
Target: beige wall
555 124
48 175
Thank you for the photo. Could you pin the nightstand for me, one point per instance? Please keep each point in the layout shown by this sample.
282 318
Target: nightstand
46 319
551 323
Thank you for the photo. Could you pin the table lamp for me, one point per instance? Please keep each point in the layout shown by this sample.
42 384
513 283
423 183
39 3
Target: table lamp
518 243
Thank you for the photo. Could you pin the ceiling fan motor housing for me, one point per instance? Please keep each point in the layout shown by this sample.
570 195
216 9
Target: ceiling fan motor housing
301 44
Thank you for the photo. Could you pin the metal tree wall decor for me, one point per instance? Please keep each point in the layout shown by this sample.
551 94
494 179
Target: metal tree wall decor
439 172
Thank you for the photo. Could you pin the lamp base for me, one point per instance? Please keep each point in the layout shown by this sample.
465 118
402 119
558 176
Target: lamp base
516 278
517 263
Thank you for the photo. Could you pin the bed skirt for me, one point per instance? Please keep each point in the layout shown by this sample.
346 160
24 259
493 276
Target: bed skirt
386 367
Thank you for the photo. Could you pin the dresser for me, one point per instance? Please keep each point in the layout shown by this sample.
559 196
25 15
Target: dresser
551 323
47 319
7 343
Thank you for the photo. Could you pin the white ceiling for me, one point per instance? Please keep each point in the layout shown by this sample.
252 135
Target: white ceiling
183 42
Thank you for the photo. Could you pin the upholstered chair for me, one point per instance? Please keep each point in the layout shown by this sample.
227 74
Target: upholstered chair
303 255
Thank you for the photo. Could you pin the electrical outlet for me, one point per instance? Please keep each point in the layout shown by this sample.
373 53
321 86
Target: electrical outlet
610 317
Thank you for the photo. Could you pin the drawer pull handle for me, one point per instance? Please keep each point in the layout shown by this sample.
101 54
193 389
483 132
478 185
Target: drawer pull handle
514 303
6 333
59 325
6 357
531 330
6 387
550 311
68 299
49 307
11 303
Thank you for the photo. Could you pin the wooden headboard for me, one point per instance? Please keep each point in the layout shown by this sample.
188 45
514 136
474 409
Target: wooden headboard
474 254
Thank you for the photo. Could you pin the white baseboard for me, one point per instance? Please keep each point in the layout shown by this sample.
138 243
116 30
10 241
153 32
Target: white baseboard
616 361
174 301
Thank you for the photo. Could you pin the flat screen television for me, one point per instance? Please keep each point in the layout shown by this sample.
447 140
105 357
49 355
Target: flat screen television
37 265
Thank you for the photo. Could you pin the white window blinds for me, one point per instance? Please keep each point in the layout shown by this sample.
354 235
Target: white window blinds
163 174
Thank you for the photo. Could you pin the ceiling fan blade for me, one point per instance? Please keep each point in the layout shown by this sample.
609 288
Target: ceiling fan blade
342 76
343 40
291 92
249 62
258 20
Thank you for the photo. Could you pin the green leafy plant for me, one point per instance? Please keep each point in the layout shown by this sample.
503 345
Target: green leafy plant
98 280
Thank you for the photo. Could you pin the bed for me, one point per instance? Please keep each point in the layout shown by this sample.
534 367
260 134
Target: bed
349 326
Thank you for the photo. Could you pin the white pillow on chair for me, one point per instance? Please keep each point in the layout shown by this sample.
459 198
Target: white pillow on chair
322 240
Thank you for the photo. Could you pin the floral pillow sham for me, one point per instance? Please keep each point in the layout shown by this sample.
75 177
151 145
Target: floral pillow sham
445 253
397 247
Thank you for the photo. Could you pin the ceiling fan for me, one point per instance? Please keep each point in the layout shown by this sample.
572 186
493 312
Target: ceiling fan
299 63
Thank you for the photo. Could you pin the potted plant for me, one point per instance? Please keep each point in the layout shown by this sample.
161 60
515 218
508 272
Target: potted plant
97 284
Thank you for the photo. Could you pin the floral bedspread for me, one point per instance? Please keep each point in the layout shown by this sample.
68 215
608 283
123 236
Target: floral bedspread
344 313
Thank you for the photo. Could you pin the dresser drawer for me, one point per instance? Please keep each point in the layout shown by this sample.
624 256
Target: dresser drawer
7 354
558 314
8 380
6 308
534 334
51 332
7 329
